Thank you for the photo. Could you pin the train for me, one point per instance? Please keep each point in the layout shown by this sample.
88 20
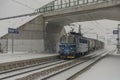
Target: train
74 45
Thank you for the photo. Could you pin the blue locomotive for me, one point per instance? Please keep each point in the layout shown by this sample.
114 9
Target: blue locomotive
75 45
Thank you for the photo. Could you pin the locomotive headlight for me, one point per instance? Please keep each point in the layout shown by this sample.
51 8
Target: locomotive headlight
71 48
62 48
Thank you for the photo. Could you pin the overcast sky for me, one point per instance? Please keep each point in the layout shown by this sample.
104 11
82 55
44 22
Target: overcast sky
17 7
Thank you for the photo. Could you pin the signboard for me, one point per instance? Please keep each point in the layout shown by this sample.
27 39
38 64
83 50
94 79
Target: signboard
115 31
12 30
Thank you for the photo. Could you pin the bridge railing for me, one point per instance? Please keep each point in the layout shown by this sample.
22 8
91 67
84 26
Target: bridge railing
59 4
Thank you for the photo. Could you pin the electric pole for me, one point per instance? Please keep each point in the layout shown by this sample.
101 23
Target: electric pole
118 40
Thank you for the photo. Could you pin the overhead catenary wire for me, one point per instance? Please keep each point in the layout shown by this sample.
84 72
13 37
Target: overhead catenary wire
95 23
22 15
25 5
36 1
18 16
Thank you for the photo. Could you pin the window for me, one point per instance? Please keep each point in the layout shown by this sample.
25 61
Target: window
71 39
83 41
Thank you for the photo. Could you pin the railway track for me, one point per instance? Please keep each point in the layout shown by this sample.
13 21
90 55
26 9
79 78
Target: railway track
55 68
28 66
82 67
43 69
15 72
72 77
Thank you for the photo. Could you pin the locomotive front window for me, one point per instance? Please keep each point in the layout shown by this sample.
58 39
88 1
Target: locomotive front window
72 45
62 45
83 41
63 39
67 39
67 45
71 39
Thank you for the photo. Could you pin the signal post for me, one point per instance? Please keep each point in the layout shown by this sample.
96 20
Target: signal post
118 40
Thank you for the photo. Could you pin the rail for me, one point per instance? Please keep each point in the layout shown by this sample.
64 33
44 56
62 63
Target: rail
90 63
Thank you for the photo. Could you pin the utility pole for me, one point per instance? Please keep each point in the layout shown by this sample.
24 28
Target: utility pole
118 40
79 29
97 36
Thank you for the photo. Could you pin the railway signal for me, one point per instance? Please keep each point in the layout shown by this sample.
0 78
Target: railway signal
118 38
118 45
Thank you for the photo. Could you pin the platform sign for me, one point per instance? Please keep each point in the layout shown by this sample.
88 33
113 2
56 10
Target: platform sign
115 31
12 30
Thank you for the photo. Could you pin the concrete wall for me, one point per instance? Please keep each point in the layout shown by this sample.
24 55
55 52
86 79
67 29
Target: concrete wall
30 46
30 37
3 45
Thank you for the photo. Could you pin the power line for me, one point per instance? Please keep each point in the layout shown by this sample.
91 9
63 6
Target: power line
93 19
23 15
36 1
95 22
25 5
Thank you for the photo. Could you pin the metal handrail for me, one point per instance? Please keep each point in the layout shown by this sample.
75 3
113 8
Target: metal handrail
54 6
59 4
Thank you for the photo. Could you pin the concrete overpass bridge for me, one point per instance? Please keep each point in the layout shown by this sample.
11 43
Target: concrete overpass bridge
75 11
58 13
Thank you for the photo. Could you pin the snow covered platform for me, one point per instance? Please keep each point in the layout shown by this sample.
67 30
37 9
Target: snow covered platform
4 58
106 69
15 60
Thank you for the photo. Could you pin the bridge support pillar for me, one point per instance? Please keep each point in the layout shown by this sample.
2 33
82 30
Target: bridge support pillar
52 32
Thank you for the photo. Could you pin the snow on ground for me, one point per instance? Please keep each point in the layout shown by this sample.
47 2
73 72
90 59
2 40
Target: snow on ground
16 56
22 56
66 74
106 69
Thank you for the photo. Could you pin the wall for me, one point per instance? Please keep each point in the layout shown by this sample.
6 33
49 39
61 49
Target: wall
30 46
30 37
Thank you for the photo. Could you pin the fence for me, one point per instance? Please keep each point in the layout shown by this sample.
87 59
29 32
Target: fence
59 4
